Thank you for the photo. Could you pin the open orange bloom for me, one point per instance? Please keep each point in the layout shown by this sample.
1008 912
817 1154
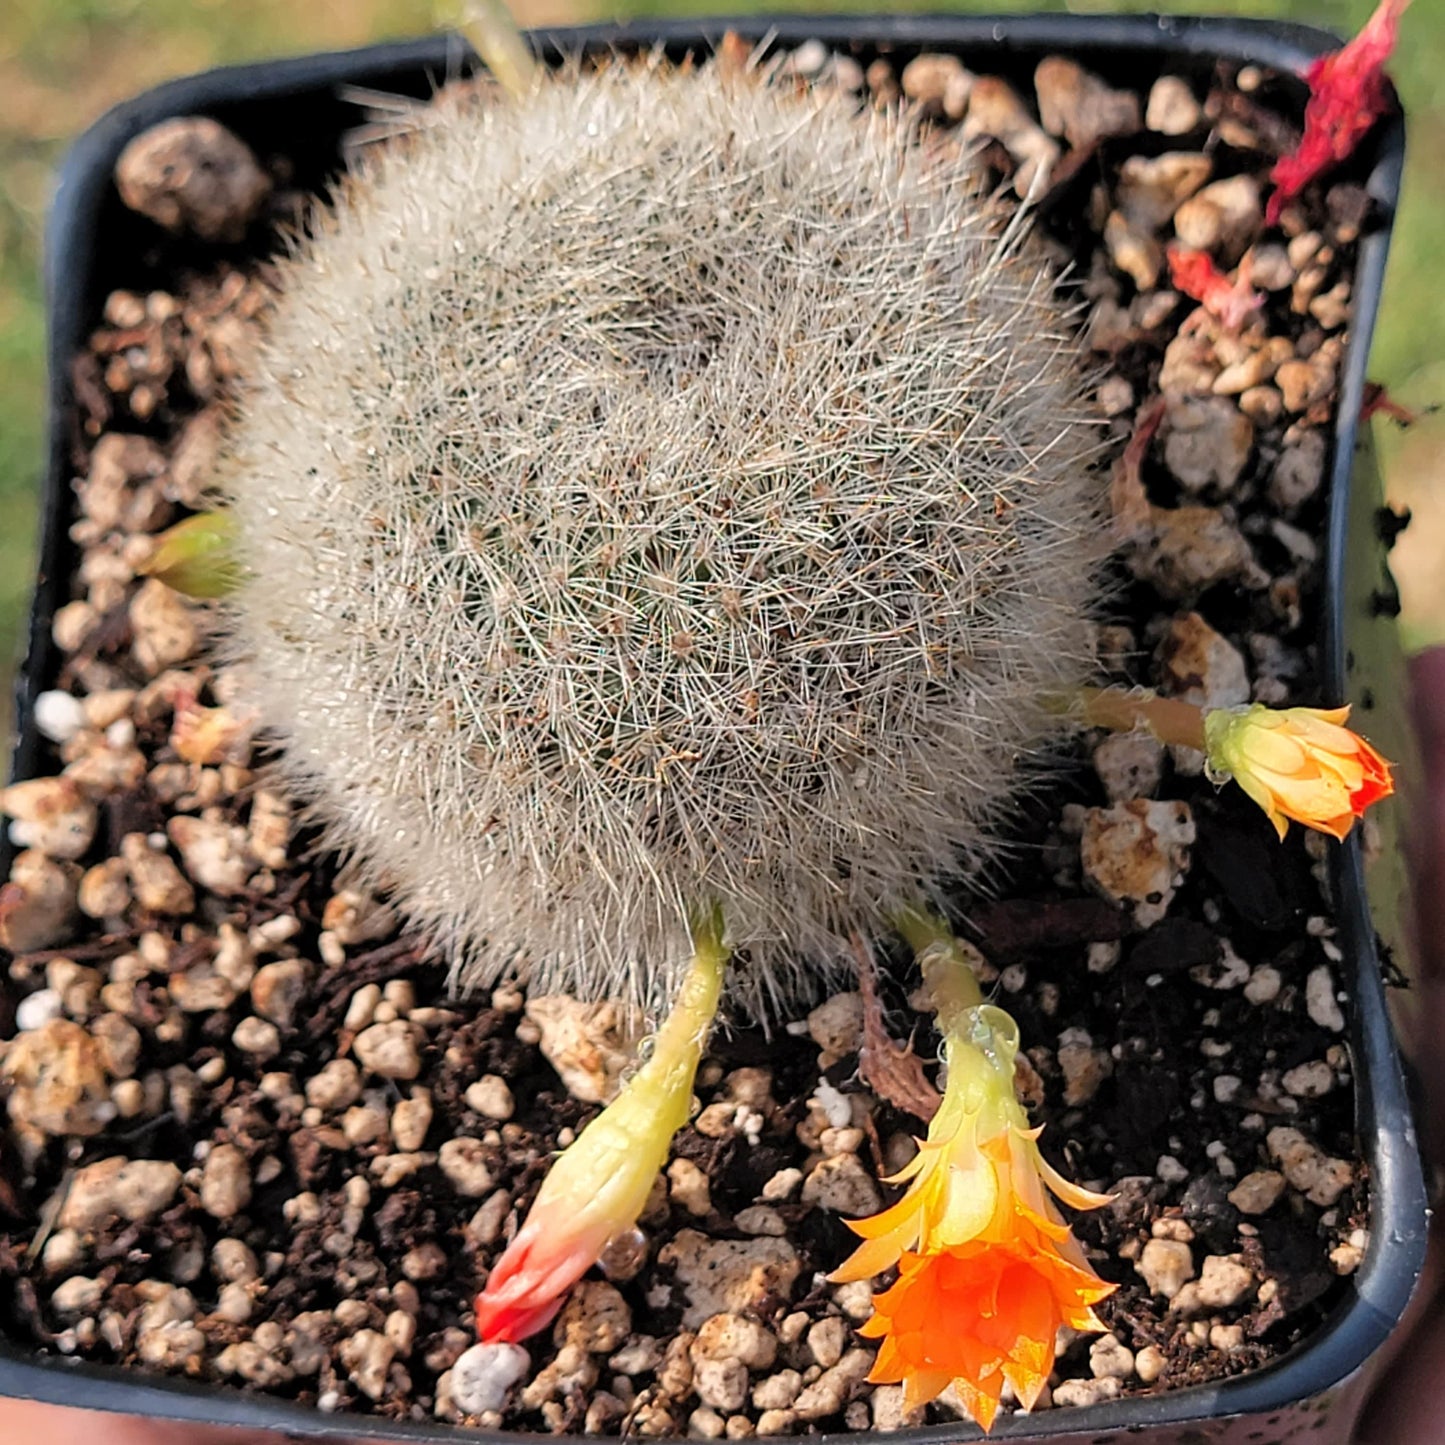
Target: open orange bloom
988 1269
1298 763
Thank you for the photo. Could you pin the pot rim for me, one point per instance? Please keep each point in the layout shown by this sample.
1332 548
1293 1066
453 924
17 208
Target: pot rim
1386 1278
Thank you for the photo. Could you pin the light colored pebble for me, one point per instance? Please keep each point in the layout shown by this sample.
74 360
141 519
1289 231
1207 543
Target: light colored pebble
1165 1265
1079 1393
78 1295
729 1275
761 1219
1320 1001
1208 442
277 990
1137 853
337 1086
843 1185
833 1389
367 1357
410 1120
225 1182
836 1026
996 109
1264 985
1152 188
258 1037
777 1392
1312 1080
1129 765
1172 109
1111 1358
51 815
1149 1364
491 1097
827 1340
1258 1192
1308 1168
464 1163
58 715
1079 106
940 81
1225 216
389 1050
689 1187
37 1009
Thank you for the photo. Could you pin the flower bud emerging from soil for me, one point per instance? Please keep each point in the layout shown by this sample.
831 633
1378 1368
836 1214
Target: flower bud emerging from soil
662 486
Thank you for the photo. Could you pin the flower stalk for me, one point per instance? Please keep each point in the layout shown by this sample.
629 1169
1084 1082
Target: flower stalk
988 1270
599 1185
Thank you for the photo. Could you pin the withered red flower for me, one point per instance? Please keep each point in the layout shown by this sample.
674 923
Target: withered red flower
1195 274
1349 92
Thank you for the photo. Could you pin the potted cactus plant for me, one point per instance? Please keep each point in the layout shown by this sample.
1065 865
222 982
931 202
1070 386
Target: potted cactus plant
669 532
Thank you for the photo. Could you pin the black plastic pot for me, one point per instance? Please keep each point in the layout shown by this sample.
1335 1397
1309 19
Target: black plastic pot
299 107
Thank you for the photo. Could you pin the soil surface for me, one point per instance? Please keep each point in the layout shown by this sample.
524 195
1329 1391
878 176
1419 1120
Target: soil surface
251 1139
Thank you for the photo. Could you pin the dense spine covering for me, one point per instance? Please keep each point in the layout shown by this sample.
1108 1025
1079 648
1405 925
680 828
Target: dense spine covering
663 487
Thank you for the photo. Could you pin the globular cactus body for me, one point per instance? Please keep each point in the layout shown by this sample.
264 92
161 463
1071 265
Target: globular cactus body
665 487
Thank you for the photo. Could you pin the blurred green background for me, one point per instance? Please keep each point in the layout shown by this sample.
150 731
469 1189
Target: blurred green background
63 62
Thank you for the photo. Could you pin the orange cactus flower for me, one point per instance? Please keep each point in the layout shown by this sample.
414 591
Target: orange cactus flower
600 1184
988 1270
1298 763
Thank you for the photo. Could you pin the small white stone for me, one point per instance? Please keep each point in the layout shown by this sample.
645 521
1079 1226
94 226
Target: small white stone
1312 1080
843 1185
389 1050
410 1120
58 715
1165 1265
1170 1170
464 1163
37 1009
1172 108
1130 765
729 1274
1149 1364
1223 1281
1137 852
1070 1393
1264 985
1320 1002
367 1356
1111 1358
1307 1167
491 1097
225 1182
836 1026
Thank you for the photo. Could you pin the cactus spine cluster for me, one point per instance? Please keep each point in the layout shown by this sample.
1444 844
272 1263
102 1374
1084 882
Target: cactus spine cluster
664 487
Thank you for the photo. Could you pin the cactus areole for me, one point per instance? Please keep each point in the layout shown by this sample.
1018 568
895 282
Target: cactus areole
664 486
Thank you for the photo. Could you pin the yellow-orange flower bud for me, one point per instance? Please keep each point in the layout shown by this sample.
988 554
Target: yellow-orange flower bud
599 1185
1298 763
